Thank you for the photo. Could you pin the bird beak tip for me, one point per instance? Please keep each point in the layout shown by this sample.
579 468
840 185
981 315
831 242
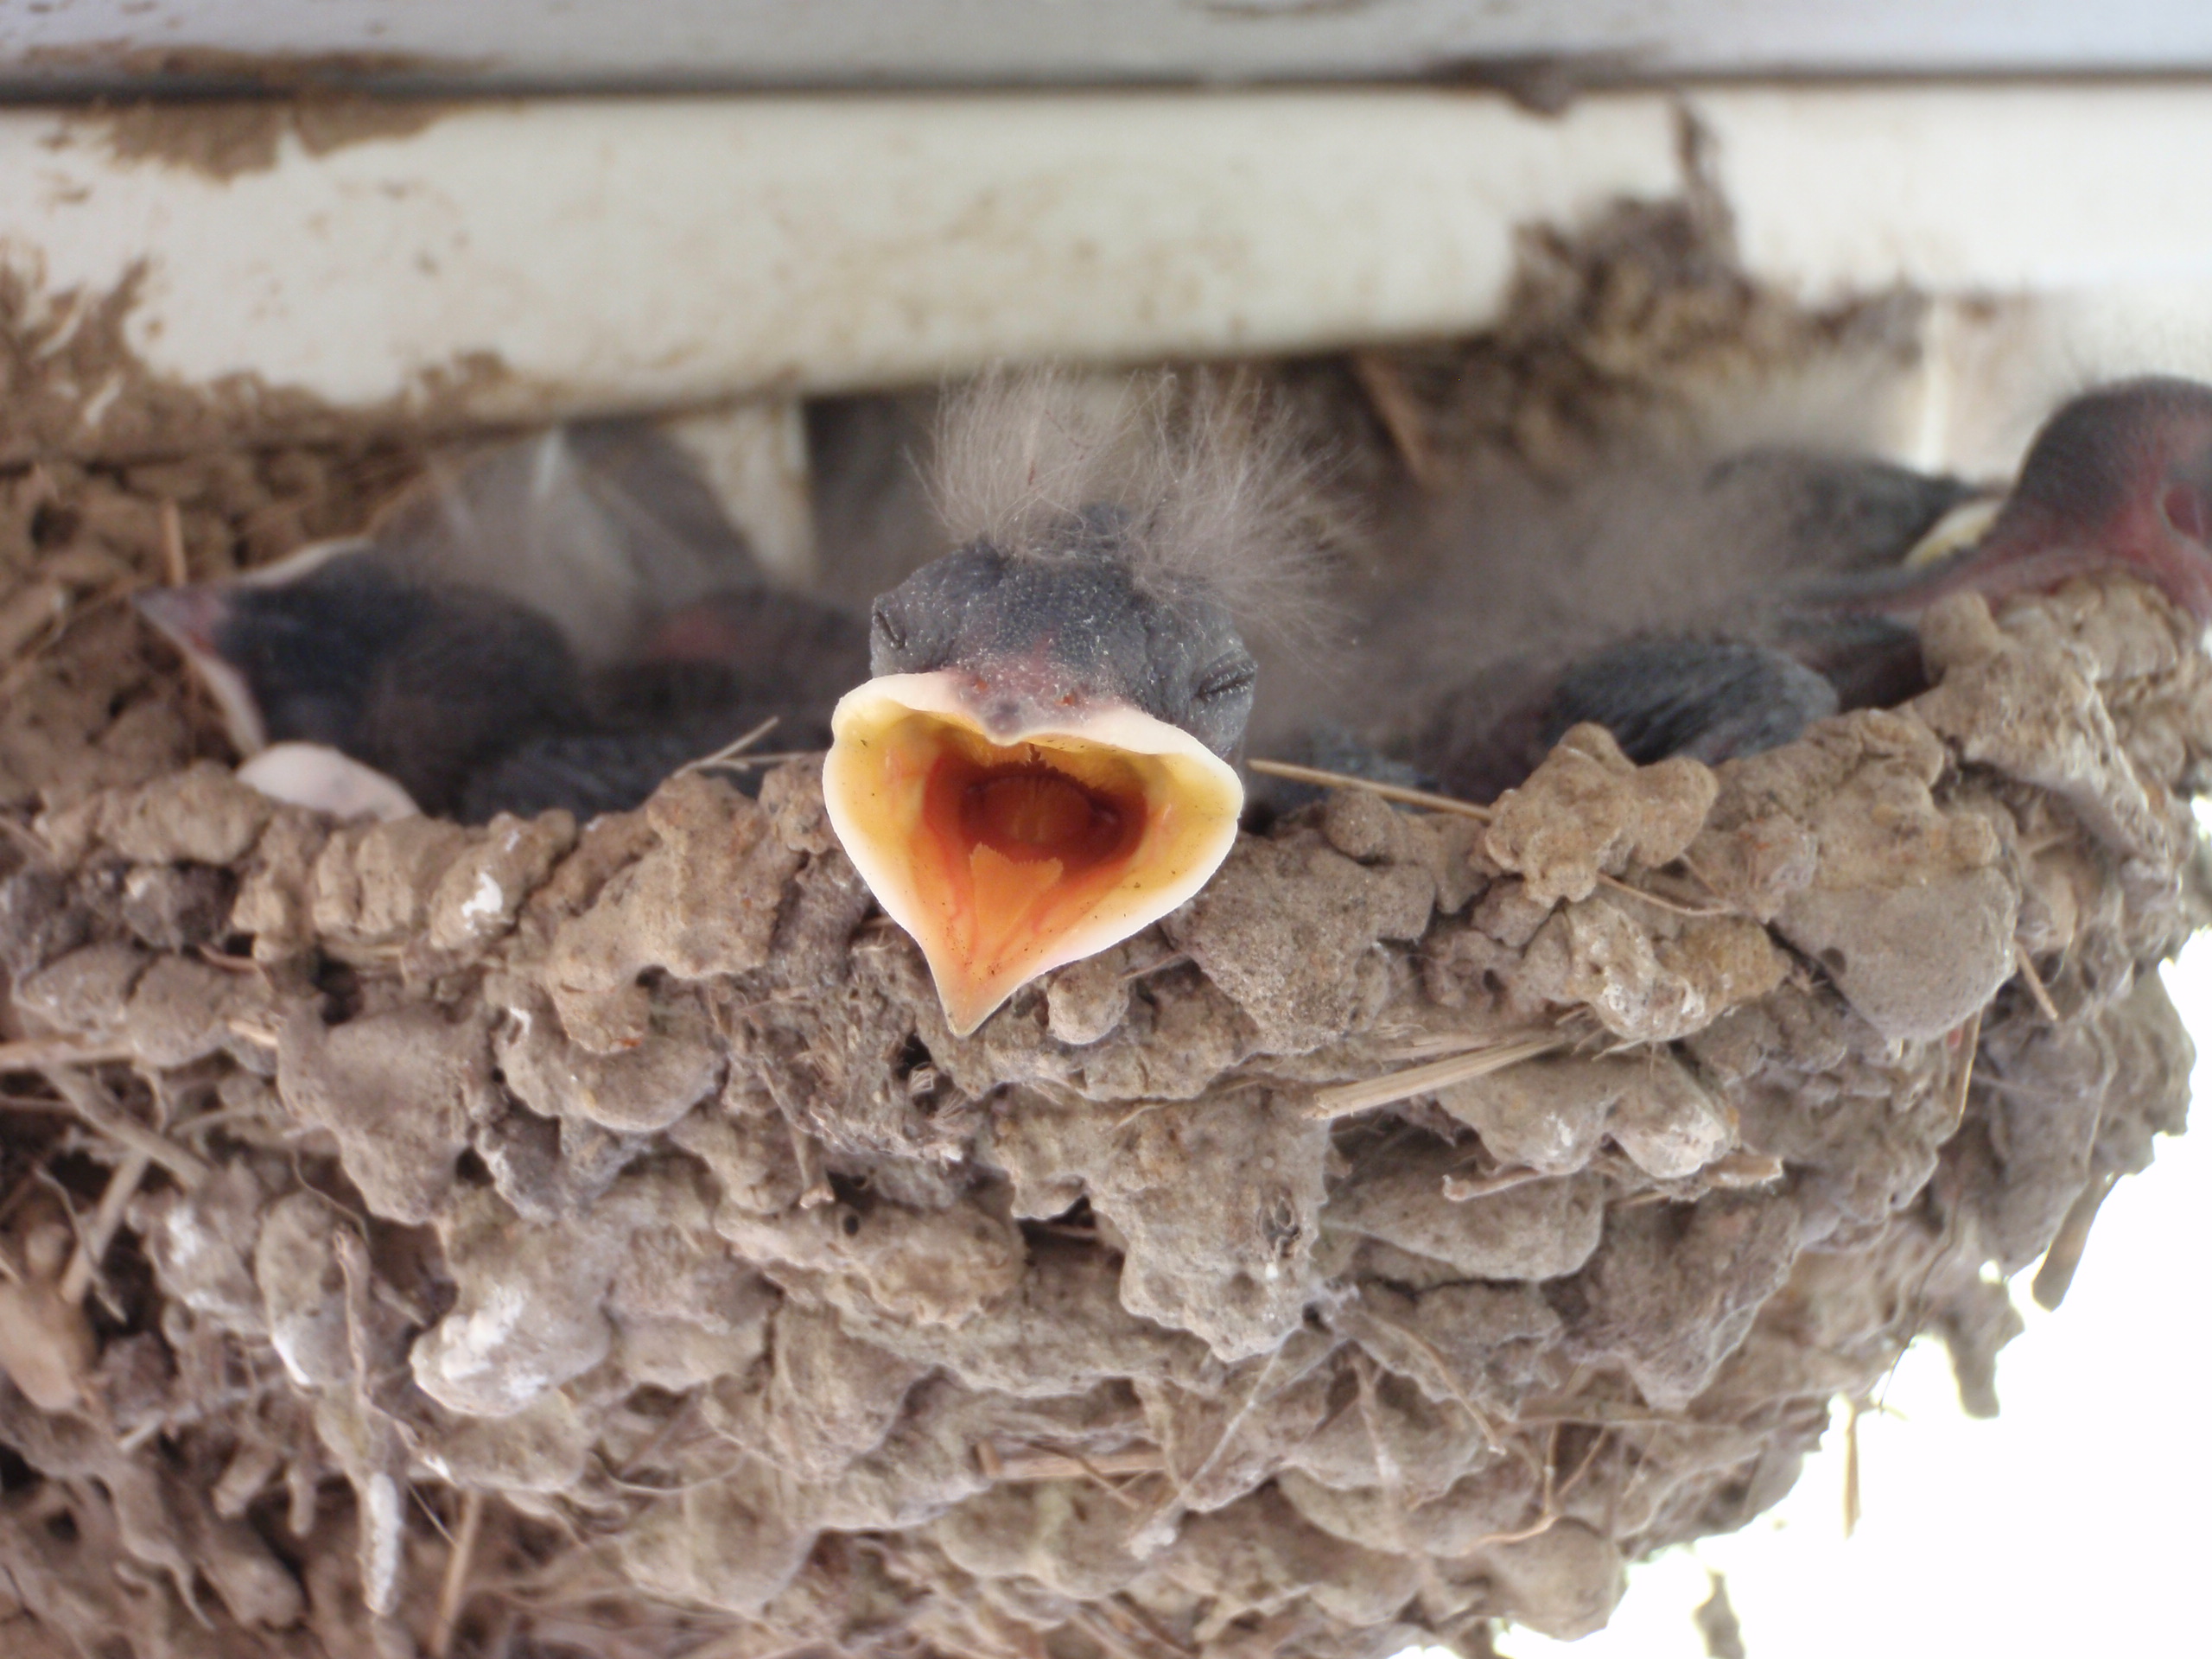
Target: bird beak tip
967 1006
188 616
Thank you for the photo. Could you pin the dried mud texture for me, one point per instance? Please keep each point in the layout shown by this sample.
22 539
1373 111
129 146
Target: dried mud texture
224 139
546 1238
1623 327
73 389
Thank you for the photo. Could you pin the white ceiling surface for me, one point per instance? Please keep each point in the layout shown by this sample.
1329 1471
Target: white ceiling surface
584 42
657 252
635 253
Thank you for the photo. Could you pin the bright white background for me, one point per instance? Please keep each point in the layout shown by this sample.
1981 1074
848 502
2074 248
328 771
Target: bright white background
2073 1527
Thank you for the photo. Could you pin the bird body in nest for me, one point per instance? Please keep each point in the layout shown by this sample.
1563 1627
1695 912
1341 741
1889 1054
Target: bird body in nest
1777 587
1034 753
559 622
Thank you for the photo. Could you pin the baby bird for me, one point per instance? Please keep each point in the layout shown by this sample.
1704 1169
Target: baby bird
1042 763
561 622
2119 477
426 684
1794 595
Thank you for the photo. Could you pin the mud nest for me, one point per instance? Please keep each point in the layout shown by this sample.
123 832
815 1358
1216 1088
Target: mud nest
540 1239
545 1239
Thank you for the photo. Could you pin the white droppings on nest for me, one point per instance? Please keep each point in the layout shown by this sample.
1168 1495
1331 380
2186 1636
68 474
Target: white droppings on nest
488 898
477 1344
382 1524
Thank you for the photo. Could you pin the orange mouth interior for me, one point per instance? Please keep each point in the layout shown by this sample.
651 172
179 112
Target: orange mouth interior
1019 844
1006 859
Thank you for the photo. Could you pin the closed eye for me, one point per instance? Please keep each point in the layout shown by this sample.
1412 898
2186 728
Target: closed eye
887 627
1225 678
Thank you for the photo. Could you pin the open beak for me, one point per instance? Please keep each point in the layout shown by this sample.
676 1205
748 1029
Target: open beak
1008 854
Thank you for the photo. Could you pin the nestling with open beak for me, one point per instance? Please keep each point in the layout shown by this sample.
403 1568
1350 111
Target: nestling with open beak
1041 764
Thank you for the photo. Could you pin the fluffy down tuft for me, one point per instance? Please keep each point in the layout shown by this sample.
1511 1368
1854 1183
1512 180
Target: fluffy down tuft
1222 497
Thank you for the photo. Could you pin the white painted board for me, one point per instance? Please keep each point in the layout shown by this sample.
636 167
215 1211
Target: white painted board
643 253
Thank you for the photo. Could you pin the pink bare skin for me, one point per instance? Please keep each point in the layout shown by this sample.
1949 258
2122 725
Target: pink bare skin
2119 477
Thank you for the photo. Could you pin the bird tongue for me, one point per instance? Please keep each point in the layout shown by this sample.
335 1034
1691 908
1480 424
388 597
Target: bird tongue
1017 847
1006 859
